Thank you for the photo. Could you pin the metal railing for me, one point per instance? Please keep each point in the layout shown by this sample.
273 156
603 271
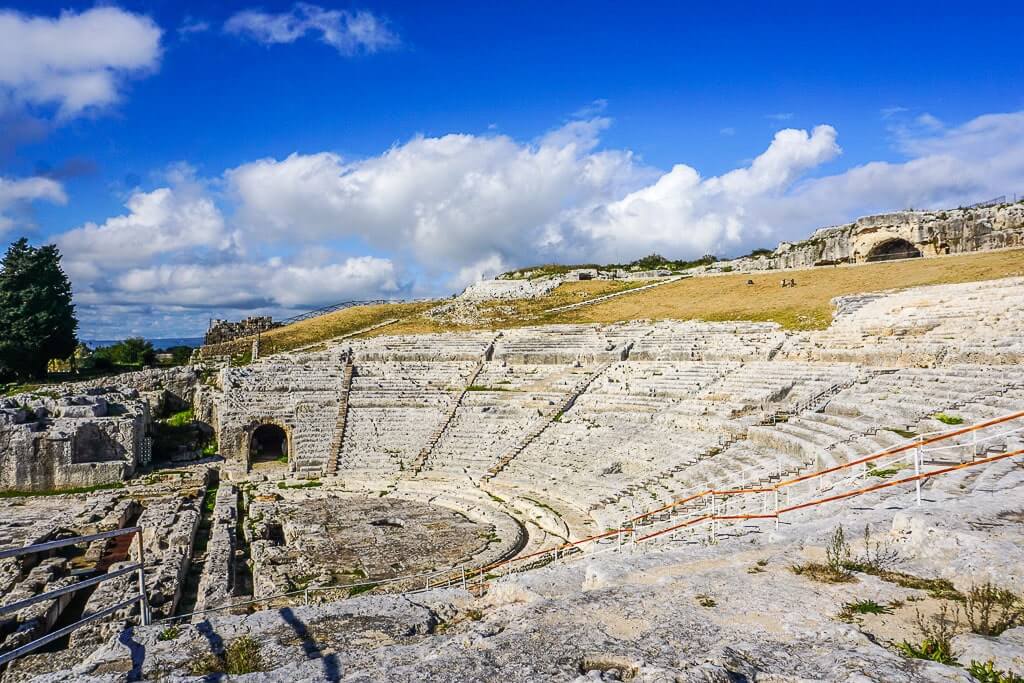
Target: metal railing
137 568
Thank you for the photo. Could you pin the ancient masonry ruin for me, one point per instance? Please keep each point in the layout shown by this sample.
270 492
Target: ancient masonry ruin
377 465
224 330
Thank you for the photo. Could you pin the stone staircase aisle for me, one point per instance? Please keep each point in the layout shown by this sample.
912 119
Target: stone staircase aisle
421 459
339 425
555 414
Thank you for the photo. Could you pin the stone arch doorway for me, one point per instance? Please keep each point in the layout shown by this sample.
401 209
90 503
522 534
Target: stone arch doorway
268 445
893 249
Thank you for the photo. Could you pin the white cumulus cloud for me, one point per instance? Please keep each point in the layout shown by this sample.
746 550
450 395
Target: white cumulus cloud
75 61
348 32
440 212
449 201
160 222
14 192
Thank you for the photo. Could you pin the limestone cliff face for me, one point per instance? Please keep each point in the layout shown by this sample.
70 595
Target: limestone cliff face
900 234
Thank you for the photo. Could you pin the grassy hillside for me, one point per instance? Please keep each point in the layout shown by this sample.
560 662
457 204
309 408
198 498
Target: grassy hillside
806 306
721 297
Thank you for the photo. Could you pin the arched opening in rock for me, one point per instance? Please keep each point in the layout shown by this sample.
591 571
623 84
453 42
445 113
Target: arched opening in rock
269 444
891 250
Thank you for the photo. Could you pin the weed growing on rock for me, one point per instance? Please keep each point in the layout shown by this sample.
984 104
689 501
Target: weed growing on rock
851 610
169 633
758 567
837 557
242 656
988 673
948 419
938 633
706 600
992 610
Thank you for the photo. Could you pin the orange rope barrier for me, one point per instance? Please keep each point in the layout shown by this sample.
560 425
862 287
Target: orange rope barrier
897 482
782 484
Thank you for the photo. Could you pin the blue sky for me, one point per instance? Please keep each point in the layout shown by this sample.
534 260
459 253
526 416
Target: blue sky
199 160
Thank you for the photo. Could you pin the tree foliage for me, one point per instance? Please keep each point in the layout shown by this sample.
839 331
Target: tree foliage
131 351
37 316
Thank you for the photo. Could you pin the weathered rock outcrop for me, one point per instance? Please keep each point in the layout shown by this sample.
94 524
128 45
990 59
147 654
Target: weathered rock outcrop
897 235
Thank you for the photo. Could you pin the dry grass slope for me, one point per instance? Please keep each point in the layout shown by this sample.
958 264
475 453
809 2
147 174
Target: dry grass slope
715 298
806 306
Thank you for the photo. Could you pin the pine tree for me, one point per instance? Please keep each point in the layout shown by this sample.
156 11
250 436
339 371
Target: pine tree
37 317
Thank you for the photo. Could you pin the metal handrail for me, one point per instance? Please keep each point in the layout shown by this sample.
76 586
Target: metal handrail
137 568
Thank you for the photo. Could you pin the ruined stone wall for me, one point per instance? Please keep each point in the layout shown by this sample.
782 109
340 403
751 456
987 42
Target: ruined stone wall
933 233
58 442
225 330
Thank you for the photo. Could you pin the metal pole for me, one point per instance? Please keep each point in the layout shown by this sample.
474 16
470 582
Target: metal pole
144 614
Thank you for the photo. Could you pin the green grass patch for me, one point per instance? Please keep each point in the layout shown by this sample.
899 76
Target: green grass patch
180 419
60 492
851 610
905 433
947 419
478 387
311 484
361 588
940 589
882 472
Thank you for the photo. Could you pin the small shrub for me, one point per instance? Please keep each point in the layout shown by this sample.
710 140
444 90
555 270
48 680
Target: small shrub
938 634
988 673
169 633
948 419
992 610
877 558
706 601
474 614
838 551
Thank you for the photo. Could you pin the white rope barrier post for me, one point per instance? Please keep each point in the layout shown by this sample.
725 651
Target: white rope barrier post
776 491
714 520
917 472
